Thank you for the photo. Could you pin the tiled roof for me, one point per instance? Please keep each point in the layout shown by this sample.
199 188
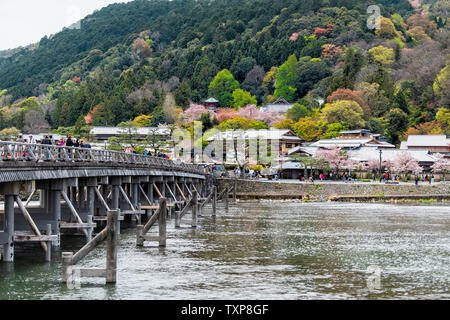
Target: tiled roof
119 130
366 153
427 141
272 134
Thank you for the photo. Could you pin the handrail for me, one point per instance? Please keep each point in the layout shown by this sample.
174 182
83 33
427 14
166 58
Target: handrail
18 151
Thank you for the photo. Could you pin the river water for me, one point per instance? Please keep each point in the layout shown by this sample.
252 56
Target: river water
268 250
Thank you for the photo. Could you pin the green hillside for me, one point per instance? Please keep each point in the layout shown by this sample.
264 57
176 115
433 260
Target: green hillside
150 57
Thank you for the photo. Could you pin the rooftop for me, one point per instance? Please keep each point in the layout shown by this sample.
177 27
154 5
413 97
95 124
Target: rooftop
271 134
119 130
427 141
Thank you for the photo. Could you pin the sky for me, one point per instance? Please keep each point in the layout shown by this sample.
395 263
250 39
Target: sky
23 22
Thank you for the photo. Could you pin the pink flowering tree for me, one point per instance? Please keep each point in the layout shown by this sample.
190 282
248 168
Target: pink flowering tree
405 163
336 158
194 112
252 112
225 114
442 165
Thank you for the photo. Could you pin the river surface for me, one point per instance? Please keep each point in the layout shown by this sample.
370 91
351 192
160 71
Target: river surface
267 250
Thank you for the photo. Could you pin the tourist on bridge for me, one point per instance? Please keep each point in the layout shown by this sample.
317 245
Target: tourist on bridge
69 142
46 140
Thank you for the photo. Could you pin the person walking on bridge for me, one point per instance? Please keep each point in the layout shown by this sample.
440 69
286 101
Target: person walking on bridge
69 142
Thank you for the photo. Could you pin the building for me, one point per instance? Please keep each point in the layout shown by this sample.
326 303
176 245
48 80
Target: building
363 155
280 106
211 104
285 139
431 143
104 133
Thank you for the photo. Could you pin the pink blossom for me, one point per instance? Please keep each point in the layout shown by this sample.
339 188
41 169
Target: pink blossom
404 163
194 112
252 112
441 165
294 36
336 158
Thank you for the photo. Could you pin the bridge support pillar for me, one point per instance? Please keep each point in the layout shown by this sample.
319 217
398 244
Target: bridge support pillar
116 182
8 247
9 190
135 181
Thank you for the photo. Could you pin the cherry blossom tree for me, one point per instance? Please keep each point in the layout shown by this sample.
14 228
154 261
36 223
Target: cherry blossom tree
405 163
252 112
194 112
442 165
336 158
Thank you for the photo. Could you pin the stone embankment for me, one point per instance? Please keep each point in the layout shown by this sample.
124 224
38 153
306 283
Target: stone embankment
344 191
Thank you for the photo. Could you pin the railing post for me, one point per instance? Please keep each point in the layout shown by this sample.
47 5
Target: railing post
234 191
111 246
162 221
194 208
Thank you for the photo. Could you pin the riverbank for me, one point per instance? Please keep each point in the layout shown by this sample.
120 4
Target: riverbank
338 191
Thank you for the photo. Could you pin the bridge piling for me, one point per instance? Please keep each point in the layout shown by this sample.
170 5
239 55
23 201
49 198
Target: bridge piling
8 247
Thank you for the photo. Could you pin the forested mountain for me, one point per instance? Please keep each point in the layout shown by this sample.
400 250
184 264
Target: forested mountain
156 57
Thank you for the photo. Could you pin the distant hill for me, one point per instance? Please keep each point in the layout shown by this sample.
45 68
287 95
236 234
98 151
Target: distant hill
177 23
155 58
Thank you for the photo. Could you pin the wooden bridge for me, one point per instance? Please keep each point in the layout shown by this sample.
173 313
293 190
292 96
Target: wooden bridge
78 187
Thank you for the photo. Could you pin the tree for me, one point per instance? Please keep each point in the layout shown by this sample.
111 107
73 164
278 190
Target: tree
443 116
374 97
387 30
405 163
307 129
243 67
375 125
284 124
183 95
194 112
331 52
348 113
239 123
335 157
269 80
422 21
442 164
350 95
308 73
253 82
35 122
441 86
286 76
333 130
417 33
143 121
397 123
9 133
382 55
242 98
298 111
223 86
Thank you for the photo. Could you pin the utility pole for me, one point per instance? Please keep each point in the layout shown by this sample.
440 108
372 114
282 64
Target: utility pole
380 163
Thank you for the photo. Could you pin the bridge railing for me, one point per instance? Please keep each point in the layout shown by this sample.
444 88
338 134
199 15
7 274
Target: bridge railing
16 151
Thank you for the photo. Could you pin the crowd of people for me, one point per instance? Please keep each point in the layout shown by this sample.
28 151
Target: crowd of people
49 140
